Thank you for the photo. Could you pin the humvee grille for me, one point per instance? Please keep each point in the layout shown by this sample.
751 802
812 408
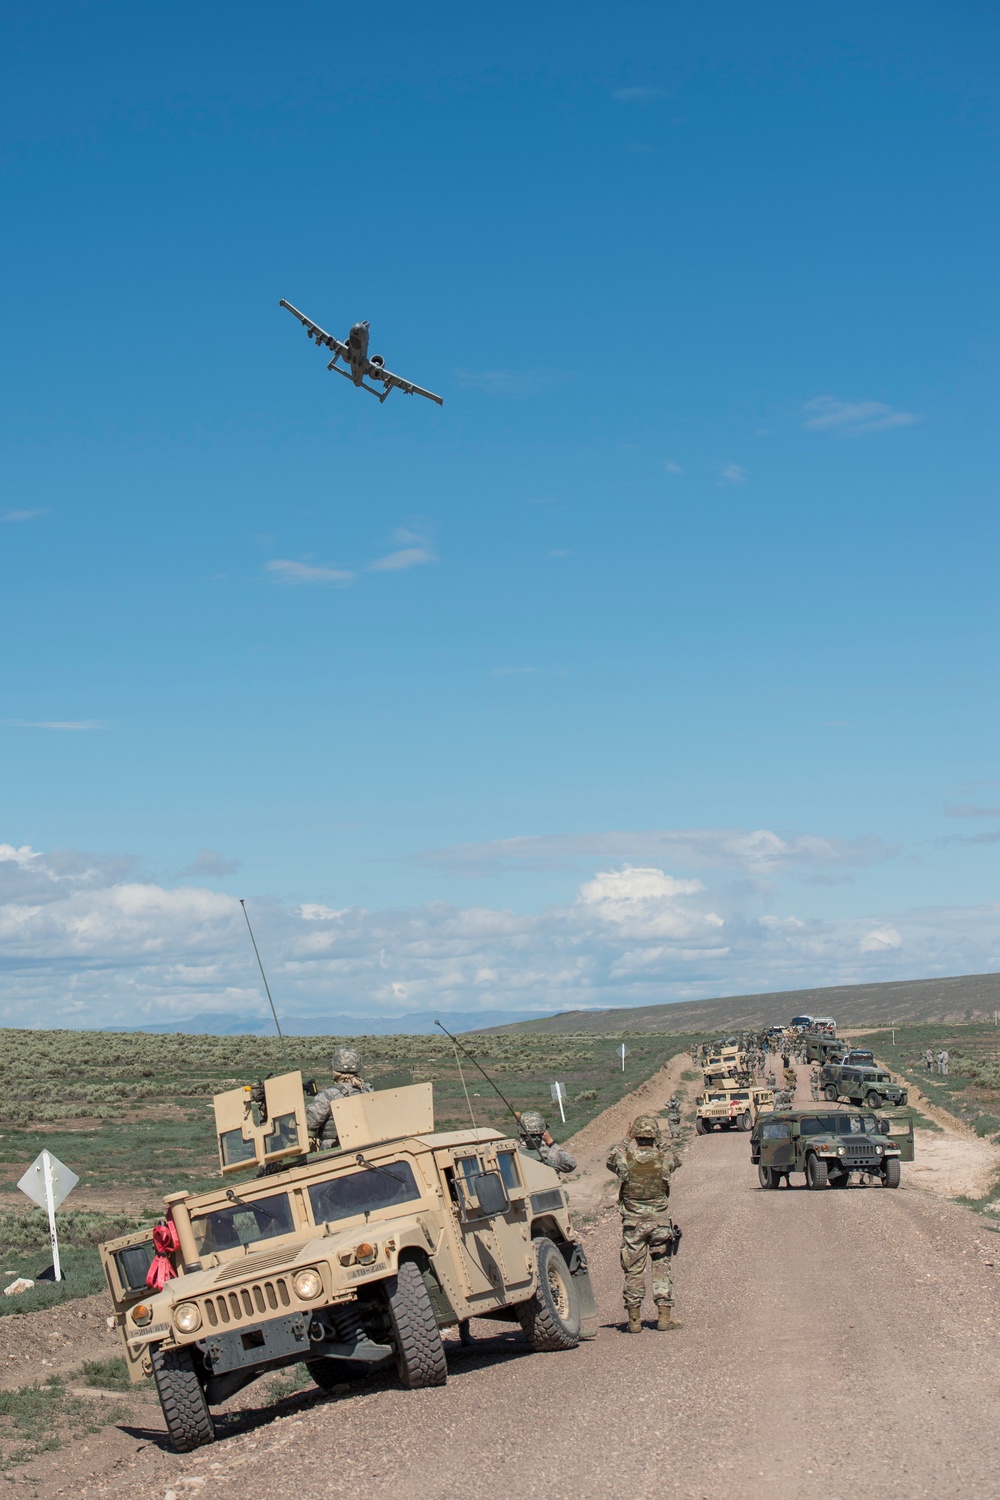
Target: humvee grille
250 1265
248 1302
859 1151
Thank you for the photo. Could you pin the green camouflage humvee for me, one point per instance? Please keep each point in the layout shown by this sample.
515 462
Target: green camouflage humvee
344 1259
868 1085
829 1147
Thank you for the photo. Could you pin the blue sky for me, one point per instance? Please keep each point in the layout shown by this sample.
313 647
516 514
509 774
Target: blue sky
703 542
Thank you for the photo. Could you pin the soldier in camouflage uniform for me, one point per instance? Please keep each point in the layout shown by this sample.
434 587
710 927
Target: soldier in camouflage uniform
674 1116
791 1080
347 1080
814 1083
643 1165
537 1142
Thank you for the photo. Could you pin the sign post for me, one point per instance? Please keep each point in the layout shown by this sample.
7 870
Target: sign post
558 1092
47 1182
623 1053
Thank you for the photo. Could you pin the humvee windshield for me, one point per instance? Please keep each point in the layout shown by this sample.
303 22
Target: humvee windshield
362 1192
243 1224
838 1125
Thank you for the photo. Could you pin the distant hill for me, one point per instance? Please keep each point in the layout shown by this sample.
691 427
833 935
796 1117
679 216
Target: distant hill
968 997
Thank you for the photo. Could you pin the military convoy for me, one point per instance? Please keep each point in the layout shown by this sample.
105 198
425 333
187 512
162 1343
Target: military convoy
828 1148
345 1259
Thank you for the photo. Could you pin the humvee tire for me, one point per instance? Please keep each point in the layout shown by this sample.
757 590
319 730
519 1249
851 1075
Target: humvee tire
700 1126
830 1093
891 1172
768 1178
817 1172
420 1357
873 1100
745 1121
185 1410
551 1318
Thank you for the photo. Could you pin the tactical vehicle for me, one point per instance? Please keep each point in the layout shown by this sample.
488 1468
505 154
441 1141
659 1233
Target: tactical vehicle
727 1063
345 1259
867 1085
732 1108
824 1049
829 1147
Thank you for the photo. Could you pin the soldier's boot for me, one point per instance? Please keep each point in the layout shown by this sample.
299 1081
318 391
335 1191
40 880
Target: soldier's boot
665 1317
634 1319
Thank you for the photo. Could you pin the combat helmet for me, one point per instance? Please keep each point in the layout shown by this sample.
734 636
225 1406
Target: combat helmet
532 1122
646 1127
346 1060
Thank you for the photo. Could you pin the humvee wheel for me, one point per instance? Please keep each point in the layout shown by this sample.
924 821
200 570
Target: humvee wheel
873 1100
551 1318
700 1126
745 1121
185 1410
891 1172
420 1357
767 1177
830 1093
817 1173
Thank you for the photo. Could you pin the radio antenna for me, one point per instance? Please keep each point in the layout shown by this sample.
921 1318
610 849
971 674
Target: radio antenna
261 968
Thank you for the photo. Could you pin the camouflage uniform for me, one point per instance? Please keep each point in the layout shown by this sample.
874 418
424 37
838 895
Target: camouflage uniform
814 1083
674 1116
791 1080
347 1080
643 1171
533 1131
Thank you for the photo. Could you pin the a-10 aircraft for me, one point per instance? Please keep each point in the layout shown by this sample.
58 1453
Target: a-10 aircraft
355 354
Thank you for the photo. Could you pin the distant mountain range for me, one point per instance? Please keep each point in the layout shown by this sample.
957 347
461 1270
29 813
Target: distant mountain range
968 997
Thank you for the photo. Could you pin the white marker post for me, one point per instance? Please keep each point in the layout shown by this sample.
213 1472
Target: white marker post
623 1053
47 1182
558 1092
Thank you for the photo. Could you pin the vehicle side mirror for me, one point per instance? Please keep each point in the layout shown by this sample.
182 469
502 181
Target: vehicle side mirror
490 1193
883 1127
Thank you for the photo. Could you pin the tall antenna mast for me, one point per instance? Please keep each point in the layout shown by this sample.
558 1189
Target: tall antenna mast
261 968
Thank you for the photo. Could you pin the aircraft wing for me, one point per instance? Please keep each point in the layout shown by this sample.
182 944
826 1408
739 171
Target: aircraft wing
315 332
380 373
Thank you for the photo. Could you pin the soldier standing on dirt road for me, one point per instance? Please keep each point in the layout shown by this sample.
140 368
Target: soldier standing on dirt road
814 1083
643 1164
347 1080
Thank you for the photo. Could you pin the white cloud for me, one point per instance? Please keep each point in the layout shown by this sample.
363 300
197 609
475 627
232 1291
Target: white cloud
734 474
513 382
85 942
827 413
300 572
23 515
671 467
406 557
640 94
758 851
880 939
210 862
72 725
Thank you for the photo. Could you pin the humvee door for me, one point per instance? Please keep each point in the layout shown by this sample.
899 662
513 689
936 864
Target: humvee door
777 1149
487 1189
126 1262
901 1135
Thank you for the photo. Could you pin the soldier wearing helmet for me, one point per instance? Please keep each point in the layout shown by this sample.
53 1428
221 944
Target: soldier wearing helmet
347 1080
537 1142
643 1164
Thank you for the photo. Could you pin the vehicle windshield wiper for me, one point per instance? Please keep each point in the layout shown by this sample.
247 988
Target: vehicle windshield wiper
242 1203
373 1167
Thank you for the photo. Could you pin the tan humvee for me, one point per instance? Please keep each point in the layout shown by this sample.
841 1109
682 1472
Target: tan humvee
728 1064
345 1259
731 1106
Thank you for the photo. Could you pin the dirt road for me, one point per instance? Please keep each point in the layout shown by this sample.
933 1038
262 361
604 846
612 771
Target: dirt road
833 1343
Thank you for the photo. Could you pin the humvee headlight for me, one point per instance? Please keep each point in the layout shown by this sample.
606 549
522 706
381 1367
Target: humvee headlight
141 1314
365 1253
840 1150
878 1150
308 1285
187 1318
